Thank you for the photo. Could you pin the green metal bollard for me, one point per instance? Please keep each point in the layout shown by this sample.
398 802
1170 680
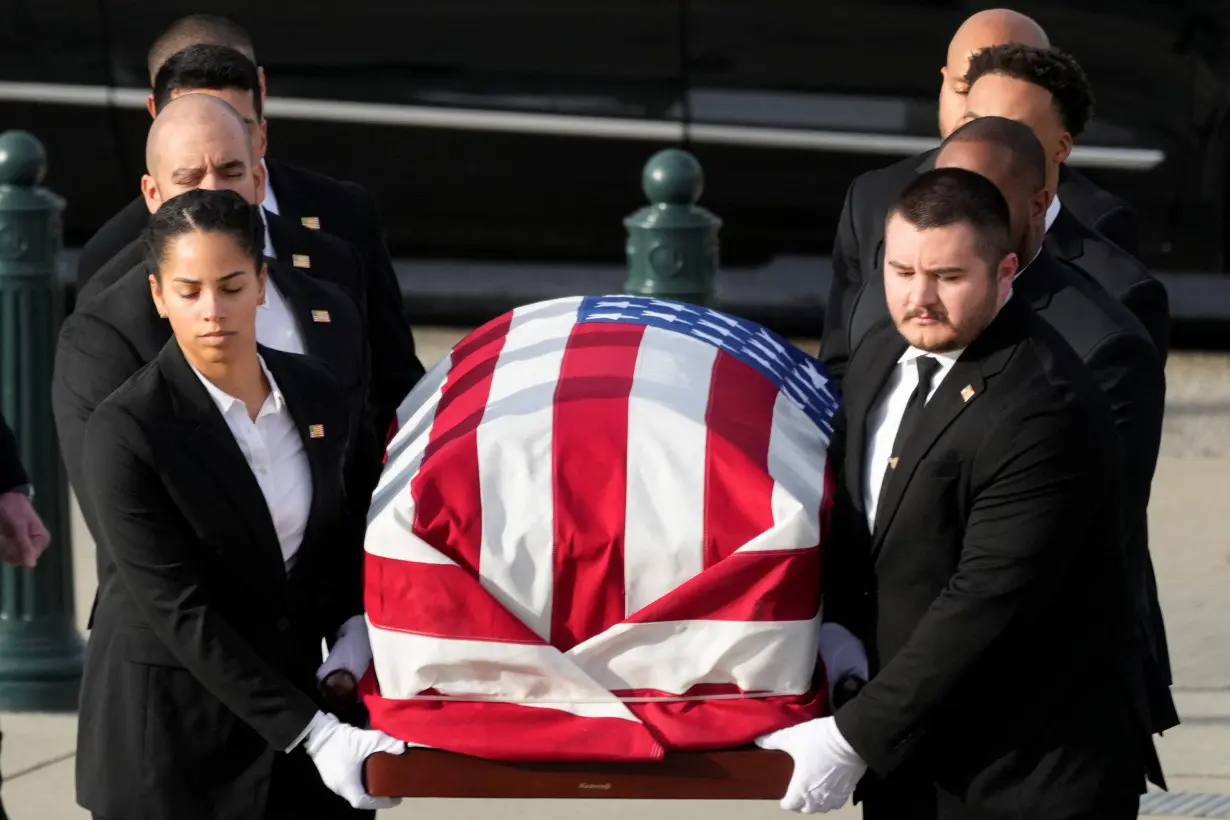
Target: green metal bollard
672 242
40 648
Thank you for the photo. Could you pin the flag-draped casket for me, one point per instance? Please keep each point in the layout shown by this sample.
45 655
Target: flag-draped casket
598 536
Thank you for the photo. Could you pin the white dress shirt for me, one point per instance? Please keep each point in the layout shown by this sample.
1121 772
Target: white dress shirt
275 324
274 451
886 415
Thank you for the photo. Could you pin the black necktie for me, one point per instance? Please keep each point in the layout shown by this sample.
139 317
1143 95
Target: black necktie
927 365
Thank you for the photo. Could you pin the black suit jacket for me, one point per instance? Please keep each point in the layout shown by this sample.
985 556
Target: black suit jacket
348 210
856 295
340 209
12 473
200 669
992 593
329 259
1099 209
114 235
1116 270
104 342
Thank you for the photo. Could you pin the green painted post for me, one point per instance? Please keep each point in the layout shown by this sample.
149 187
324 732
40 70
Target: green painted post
40 648
672 242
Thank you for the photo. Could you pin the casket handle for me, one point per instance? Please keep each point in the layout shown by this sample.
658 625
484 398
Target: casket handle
738 774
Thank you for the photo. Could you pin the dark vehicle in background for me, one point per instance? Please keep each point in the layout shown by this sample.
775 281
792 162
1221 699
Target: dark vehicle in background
517 129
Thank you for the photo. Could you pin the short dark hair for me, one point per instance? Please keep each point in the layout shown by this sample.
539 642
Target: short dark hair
206 211
950 196
1050 68
211 67
1028 155
198 28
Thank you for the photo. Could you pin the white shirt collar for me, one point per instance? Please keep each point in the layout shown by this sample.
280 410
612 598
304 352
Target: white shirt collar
946 359
225 401
1052 211
270 202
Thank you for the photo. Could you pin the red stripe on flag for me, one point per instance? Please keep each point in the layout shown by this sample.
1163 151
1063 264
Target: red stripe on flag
508 731
727 723
738 487
758 585
440 600
448 510
590 479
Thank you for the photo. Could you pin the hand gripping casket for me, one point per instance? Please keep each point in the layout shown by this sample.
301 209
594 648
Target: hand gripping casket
598 537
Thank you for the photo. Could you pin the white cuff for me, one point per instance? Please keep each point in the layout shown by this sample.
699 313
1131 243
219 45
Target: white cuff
318 720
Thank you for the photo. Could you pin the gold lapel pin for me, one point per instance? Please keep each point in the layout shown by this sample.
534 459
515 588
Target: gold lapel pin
316 431
312 222
301 260
967 392
321 316
892 462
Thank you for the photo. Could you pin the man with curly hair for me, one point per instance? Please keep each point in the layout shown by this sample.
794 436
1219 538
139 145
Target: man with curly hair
1046 89
1102 229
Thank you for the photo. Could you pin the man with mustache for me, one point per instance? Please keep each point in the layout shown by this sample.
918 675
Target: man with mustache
975 548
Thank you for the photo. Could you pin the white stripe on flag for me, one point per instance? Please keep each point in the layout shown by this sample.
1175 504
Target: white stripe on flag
516 475
665 508
765 656
528 675
405 452
796 464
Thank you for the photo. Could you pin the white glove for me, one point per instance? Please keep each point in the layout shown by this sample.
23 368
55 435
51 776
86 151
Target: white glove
826 768
843 654
351 651
339 752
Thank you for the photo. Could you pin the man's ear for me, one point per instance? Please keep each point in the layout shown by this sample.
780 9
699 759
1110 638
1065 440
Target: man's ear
150 107
150 193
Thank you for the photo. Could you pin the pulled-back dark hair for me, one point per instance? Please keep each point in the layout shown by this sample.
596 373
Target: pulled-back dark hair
1049 68
209 67
951 196
201 210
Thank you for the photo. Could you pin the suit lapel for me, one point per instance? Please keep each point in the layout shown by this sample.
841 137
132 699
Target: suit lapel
320 440
883 348
1038 283
287 192
1065 240
958 391
207 434
311 314
964 385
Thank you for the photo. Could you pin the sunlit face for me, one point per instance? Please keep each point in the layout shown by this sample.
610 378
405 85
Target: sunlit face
953 92
1000 96
245 104
215 155
209 290
941 290
1027 207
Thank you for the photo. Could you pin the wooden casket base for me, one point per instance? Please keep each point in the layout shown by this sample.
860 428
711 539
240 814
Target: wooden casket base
748 773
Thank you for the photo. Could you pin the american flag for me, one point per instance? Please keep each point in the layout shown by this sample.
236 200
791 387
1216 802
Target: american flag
598 537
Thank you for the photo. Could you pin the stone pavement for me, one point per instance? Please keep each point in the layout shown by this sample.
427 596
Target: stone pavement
1191 553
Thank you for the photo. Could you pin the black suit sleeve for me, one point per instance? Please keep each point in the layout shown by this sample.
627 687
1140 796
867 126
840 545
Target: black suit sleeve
395 366
1120 225
1027 515
12 474
1132 377
92 360
847 281
151 548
